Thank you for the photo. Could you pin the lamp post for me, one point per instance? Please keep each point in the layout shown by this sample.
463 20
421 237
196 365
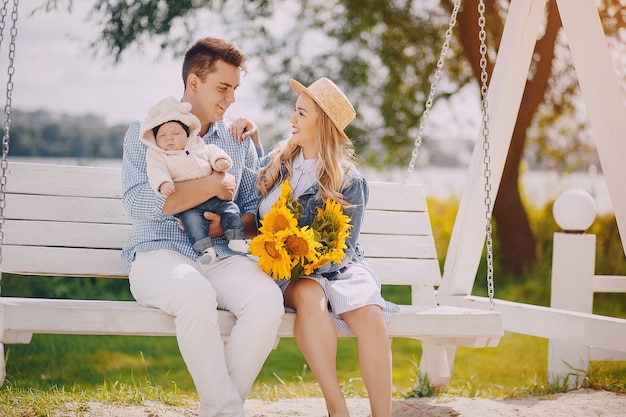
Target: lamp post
574 211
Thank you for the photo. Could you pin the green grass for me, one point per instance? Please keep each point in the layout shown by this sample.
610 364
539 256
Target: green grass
53 371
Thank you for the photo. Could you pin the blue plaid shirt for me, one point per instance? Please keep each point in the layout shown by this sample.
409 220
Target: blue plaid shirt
151 229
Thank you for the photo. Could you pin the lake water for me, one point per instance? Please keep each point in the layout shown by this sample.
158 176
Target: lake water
442 182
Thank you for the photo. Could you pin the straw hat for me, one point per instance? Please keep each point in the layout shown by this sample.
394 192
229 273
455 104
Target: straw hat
331 99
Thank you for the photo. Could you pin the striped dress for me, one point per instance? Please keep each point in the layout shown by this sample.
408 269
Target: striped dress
353 286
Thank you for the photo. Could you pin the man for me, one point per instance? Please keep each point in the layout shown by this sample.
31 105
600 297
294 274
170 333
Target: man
163 271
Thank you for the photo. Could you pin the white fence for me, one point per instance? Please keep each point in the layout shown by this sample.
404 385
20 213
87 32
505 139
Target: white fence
574 284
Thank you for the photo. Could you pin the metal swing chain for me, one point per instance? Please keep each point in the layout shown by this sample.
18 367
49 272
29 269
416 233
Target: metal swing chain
485 129
482 35
7 110
433 88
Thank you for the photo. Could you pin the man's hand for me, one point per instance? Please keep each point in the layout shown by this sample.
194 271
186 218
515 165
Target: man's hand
215 227
224 184
190 193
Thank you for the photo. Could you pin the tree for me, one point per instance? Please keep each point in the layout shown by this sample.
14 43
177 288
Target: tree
387 52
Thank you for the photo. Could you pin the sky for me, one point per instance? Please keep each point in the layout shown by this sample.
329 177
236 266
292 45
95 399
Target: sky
55 72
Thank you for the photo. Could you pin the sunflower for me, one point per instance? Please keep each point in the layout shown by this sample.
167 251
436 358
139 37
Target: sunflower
302 247
288 251
273 256
335 256
279 218
332 218
285 193
332 229
301 244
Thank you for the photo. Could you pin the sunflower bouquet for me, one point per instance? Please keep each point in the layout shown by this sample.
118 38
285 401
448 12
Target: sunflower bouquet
286 250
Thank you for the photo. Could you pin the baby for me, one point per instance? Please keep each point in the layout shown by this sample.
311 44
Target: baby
176 152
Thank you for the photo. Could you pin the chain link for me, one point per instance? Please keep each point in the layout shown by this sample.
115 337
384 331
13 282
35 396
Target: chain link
7 110
433 89
482 36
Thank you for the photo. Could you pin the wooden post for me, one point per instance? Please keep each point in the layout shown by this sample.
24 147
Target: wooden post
573 266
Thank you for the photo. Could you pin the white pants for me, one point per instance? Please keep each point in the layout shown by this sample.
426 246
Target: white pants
222 375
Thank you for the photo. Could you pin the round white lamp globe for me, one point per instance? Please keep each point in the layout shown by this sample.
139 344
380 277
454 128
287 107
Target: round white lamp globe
574 211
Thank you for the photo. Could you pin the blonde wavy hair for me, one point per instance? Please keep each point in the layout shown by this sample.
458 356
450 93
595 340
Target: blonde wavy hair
335 157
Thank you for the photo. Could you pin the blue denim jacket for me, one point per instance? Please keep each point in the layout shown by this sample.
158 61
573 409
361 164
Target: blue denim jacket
356 193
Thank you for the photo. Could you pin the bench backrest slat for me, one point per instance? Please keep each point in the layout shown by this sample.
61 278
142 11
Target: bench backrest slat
47 261
396 197
69 180
397 223
66 209
65 234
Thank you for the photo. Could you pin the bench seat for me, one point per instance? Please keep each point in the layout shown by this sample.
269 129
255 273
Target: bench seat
24 317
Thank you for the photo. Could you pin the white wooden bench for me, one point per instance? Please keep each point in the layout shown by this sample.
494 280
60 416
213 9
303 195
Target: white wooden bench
69 221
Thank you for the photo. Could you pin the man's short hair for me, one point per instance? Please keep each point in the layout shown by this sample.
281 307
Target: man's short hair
201 57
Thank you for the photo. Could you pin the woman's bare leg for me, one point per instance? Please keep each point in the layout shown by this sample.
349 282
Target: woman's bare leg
368 325
316 337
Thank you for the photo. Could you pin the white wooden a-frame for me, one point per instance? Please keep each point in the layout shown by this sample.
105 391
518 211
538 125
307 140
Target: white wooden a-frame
607 117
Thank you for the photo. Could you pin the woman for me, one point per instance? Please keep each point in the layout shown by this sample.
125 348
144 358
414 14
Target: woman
318 162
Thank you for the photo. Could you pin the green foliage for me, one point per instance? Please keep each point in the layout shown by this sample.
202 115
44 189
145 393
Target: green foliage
606 376
422 388
65 287
89 361
534 286
608 246
388 52
74 401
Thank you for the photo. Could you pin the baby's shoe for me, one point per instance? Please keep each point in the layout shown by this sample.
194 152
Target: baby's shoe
240 245
207 256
